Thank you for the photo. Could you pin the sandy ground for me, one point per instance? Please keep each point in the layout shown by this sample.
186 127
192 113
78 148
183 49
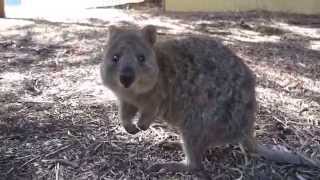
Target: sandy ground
61 10
57 121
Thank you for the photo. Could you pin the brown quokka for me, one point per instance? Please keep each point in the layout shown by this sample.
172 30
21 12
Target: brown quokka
195 84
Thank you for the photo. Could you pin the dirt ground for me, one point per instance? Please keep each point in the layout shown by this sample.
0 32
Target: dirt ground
57 121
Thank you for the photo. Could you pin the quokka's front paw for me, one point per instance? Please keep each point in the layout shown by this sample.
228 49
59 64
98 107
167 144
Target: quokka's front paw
131 128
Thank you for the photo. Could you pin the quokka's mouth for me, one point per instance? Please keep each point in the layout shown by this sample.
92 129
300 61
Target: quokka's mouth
126 81
126 86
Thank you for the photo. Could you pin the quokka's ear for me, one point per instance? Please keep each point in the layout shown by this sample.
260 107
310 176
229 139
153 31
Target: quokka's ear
150 33
113 30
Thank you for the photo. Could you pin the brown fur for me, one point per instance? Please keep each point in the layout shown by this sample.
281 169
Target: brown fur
195 84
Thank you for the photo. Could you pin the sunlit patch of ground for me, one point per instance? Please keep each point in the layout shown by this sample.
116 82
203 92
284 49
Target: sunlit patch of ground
315 45
57 120
71 10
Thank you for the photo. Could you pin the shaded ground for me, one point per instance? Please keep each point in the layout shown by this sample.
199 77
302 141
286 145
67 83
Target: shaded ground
58 122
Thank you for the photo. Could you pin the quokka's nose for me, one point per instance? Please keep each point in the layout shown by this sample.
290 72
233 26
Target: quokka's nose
127 77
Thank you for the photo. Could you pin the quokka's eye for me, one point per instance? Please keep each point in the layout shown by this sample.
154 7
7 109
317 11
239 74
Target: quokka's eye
141 58
115 58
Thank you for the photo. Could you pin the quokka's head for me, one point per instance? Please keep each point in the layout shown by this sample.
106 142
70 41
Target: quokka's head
129 63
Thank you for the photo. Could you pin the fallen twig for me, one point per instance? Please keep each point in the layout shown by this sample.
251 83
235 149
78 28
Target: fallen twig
57 151
23 165
63 162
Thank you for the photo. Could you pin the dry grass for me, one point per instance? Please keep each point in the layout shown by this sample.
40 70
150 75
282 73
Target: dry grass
58 122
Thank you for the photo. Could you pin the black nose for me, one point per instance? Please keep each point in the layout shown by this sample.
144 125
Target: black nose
126 77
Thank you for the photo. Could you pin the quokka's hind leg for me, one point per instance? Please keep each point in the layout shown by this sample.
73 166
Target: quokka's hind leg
248 148
194 147
250 144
